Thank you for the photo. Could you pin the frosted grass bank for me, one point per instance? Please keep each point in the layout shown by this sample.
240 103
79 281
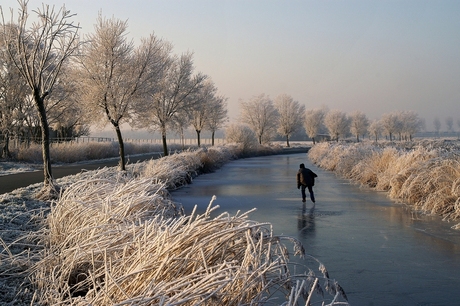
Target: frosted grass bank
422 174
98 244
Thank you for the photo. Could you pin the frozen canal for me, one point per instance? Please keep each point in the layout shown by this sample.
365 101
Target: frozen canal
380 253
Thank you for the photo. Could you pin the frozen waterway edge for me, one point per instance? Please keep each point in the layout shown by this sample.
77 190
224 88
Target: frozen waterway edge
381 252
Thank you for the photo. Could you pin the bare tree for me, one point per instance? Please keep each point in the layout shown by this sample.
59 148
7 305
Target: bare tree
201 110
313 122
375 129
291 116
30 120
437 125
39 52
390 124
422 124
400 124
410 122
173 96
337 124
217 116
115 75
450 124
358 124
181 121
261 116
66 115
13 92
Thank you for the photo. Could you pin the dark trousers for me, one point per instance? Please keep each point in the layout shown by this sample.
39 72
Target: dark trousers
310 190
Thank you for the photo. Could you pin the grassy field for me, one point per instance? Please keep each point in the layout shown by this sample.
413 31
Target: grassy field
116 238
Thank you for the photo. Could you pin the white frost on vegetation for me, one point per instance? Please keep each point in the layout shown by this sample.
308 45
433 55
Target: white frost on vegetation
424 174
115 238
7 168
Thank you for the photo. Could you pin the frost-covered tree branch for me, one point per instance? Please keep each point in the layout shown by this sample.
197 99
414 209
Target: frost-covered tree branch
116 77
337 123
174 94
39 52
202 110
358 124
218 115
291 116
390 124
261 116
313 122
375 129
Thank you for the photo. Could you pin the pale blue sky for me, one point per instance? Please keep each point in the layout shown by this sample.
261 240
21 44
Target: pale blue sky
373 56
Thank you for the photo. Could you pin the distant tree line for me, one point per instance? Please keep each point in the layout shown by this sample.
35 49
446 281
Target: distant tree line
265 119
53 79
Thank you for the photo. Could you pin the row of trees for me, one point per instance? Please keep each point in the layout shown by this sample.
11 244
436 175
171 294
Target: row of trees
449 121
285 117
52 75
266 118
145 86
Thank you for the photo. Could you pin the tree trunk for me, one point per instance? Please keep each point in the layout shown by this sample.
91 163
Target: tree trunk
165 145
45 135
198 138
313 138
212 138
6 147
287 141
182 136
357 138
121 148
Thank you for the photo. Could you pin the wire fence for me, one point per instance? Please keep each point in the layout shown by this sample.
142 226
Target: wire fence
15 142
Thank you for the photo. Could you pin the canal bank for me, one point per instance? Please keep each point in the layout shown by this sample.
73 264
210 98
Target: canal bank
380 252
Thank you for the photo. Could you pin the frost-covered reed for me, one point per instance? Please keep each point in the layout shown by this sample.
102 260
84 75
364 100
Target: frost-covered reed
69 152
187 260
425 176
116 238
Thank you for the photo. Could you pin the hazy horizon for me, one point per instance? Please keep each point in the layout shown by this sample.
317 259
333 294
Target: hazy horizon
373 56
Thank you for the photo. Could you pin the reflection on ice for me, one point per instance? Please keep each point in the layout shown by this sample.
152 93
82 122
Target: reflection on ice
306 220
379 251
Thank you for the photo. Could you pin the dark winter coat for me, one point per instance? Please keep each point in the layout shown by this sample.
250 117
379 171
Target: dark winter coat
305 177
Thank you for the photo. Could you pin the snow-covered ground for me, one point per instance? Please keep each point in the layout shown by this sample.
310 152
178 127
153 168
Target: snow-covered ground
7 167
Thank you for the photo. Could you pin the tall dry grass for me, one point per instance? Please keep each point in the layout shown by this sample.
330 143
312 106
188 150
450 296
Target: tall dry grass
175 171
187 260
432 187
116 238
69 152
425 176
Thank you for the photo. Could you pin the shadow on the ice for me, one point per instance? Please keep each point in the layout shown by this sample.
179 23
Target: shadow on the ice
306 220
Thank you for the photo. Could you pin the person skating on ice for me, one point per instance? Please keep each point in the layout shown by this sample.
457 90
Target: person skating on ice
306 179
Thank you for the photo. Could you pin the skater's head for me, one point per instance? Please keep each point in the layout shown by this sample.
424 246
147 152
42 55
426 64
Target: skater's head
302 166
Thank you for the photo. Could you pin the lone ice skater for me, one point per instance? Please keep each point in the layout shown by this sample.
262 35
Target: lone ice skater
306 179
